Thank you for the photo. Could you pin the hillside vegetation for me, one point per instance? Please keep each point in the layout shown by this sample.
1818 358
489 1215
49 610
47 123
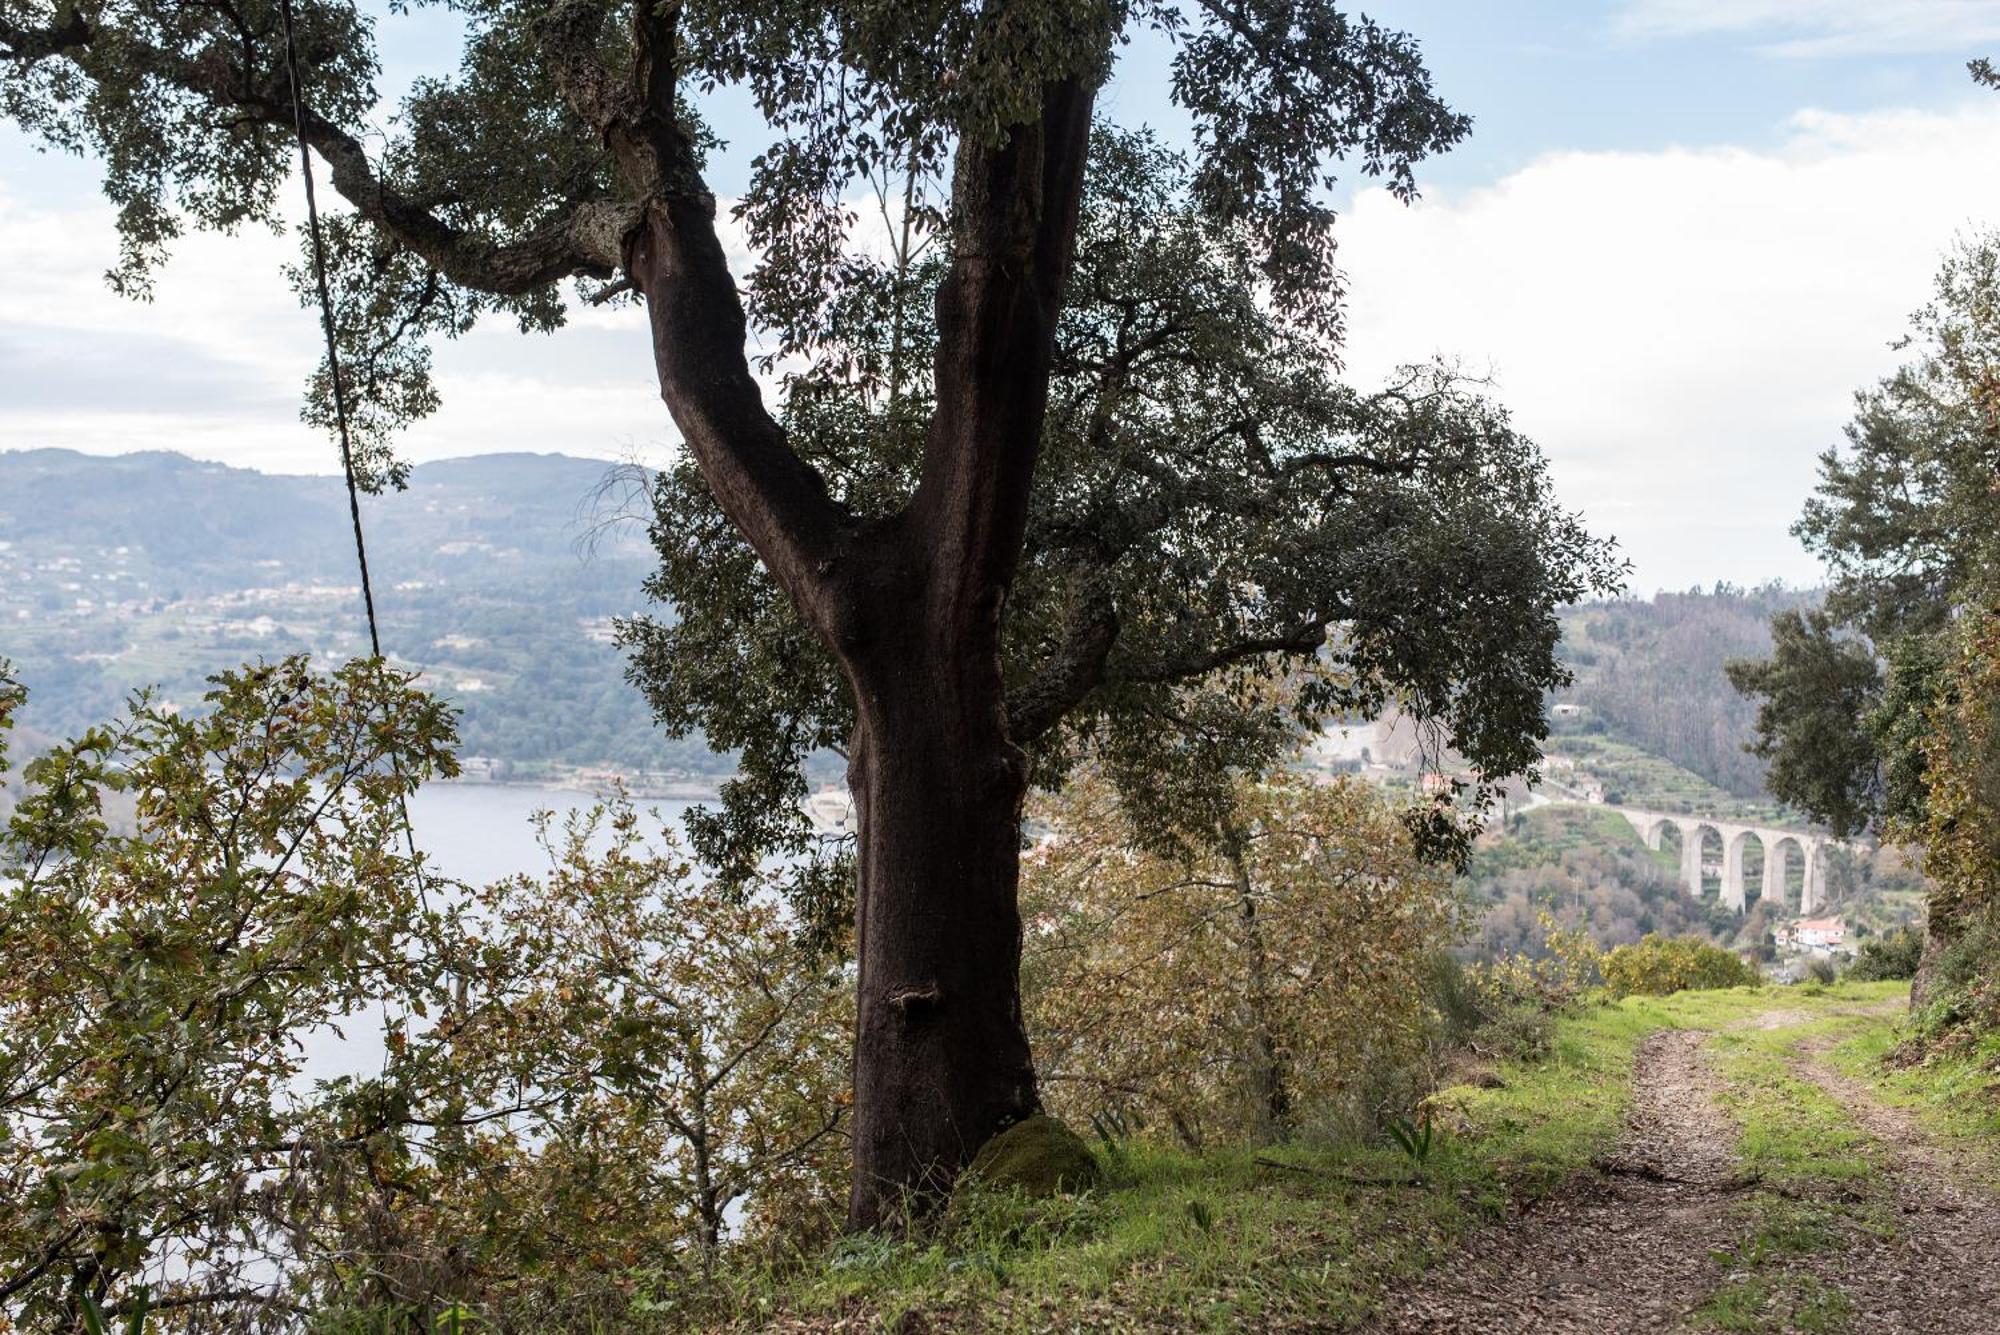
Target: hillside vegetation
1650 674
1587 869
158 570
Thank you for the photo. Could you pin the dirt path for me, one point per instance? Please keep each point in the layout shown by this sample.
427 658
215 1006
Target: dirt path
1913 1251
1627 1252
1938 1270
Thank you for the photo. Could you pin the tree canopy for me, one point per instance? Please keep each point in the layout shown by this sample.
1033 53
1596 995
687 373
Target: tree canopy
1877 711
1213 503
1907 520
482 190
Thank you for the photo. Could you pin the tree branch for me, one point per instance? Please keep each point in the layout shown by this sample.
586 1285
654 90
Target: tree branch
588 239
1015 205
673 257
1074 671
1306 637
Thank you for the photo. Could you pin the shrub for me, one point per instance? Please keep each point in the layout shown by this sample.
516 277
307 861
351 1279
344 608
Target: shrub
1894 954
590 1082
1959 989
1962 1000
1521 1031
1656 966
1457 1002
1570 965
1273 980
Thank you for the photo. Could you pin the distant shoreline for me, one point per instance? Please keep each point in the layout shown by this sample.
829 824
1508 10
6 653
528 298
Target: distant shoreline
588 784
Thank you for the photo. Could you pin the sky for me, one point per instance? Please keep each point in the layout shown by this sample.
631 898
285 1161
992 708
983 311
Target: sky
1681 235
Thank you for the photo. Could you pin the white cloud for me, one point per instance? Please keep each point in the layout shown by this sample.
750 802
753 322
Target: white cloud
1681 330
1808 28
214 366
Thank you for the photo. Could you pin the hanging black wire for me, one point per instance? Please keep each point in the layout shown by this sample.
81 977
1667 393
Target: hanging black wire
339 390
326 324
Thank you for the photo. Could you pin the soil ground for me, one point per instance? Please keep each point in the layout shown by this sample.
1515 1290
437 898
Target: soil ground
1940 1269
1660 1237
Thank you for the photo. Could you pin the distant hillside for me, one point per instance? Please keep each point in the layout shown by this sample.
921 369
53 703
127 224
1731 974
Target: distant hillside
156 569
1650 674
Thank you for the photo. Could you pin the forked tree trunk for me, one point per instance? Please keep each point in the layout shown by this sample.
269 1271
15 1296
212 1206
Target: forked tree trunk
911 607
941 1058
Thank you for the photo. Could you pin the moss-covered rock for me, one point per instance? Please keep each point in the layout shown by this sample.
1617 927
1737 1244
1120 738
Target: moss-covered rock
1038 1157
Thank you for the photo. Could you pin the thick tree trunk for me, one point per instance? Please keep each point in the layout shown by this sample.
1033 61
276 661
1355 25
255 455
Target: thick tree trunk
941 1059
911 606
1944 924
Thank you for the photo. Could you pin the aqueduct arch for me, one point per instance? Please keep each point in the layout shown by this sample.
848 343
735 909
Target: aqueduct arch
1653 826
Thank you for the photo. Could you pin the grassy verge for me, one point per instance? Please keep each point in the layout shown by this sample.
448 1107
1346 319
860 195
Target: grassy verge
1310 1237
1302 1237
1816 1170
1955 1097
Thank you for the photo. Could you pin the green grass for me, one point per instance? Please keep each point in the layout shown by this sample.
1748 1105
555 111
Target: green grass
1793 1132
1312 1236
1239 1238
1772 1303
1214 1242
1225 1240
1955 1097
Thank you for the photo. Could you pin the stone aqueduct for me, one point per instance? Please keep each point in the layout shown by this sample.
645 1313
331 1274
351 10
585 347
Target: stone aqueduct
1653 825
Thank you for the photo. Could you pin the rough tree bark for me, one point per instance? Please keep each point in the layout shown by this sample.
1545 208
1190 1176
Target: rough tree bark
941 1058
911 607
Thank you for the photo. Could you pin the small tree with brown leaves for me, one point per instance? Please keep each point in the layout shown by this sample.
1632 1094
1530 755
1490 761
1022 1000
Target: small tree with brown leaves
1262 978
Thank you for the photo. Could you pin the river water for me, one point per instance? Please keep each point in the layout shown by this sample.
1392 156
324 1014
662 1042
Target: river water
480 832
474 833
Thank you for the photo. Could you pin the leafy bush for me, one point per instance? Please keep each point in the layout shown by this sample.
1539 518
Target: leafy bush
1458 1003
590 1082
1520 1031
1515 999
1656 966
1568 965
1894 954
1275 984
1962 999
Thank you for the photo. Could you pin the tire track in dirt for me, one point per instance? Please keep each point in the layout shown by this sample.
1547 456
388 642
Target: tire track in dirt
1629 1251
1938 1273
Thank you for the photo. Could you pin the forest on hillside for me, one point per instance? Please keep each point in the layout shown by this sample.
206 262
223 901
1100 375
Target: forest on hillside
1584 869
498 580
1650 672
